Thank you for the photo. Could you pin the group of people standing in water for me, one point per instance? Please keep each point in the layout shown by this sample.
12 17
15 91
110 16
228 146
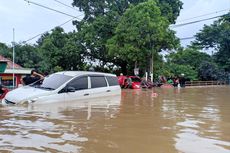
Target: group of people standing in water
132 81
174 81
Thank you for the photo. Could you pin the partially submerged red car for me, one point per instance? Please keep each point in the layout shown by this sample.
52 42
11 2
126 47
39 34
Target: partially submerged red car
133 82
3 92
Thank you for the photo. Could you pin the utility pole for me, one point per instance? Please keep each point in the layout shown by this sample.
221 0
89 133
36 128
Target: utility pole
151 61
13 43
151 73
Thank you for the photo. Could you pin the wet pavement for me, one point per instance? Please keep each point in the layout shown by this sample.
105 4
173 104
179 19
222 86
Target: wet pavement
190 120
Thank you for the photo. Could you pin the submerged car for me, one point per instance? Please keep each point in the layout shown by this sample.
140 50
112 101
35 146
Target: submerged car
65 86
133 82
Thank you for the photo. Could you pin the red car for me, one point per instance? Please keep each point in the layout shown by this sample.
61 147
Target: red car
133 82
3 92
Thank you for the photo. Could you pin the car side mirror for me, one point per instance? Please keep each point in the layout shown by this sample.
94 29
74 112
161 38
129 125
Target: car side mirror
70 89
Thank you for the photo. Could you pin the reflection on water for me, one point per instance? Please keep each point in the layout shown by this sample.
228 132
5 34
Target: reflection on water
190 120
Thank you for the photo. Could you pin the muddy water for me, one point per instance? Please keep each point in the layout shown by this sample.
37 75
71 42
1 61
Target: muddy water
190 120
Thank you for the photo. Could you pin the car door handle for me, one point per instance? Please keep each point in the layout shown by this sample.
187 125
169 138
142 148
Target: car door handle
86 94
108 90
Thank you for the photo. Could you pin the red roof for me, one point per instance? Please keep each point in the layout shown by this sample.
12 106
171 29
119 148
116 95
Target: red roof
9 63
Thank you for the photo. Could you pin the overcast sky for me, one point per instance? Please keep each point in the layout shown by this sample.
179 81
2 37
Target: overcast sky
30 20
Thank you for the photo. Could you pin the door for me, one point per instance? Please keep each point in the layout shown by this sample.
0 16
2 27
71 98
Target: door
98 86
79 88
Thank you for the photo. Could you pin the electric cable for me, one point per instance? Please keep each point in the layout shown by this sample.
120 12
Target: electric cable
65 5
47 31
73 17
187 38
188 23
46 7
204 15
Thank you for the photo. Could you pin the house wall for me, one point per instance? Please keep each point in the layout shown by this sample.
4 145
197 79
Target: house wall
7 79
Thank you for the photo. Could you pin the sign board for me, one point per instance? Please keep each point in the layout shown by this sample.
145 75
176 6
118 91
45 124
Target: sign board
136 71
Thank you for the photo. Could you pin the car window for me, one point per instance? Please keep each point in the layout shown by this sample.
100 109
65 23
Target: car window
98 81
79 83
134 79
113 81
53 81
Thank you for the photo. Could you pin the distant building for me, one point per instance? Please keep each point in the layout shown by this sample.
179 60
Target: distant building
6 78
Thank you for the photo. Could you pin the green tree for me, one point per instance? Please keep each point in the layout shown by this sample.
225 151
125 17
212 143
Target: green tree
217 36
27 56
188 56
100 21
173 69
93 9
5 50
141 32
208 71
60 50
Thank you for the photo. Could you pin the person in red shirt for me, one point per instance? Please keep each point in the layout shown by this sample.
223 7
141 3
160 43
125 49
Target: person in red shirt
121 80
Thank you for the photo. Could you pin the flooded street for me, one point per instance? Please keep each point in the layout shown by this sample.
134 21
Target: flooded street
190 120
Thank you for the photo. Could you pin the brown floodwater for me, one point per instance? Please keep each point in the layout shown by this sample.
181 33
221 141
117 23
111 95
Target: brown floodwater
189 120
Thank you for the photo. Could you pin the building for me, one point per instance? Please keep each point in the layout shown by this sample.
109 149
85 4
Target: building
6 77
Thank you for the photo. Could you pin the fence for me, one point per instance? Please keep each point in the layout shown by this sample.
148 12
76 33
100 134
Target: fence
204 83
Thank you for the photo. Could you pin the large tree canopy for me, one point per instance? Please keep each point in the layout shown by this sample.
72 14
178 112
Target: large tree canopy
141 31
191 60
189 56
54 51
92 9
217 36
102 18
60 51
25 55
100 27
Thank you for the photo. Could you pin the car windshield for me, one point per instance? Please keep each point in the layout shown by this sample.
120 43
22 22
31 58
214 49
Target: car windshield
134 79
52 82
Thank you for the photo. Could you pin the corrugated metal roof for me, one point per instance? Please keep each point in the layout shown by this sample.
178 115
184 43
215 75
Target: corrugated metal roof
18 71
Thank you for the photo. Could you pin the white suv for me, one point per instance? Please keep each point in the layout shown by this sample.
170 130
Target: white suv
65 86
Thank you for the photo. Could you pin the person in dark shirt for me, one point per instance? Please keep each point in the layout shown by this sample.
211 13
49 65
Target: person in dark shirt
182 80
34 77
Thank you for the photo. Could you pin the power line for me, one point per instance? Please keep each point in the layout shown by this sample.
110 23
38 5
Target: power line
187 38
183 24
46 7
204 15
65 5
73 17
47 31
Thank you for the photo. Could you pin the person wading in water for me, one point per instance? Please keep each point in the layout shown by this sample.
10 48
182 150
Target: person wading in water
33 77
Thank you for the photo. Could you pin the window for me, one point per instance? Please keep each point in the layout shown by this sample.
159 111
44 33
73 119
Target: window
79 83
113 81
136 79
98 81
54 81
